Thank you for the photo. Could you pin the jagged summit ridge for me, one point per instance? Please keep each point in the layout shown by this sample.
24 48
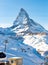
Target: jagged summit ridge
22 17
22 9
23 12
24 24
23 20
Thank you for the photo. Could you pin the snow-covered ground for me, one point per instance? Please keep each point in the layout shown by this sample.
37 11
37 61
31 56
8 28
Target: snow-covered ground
16 48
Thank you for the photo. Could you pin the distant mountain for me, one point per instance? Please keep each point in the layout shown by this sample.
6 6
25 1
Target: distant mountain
6 31
24 24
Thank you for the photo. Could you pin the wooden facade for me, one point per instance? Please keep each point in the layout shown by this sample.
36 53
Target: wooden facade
15 61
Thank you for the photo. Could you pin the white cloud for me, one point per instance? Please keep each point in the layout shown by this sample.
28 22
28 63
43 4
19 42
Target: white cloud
5 25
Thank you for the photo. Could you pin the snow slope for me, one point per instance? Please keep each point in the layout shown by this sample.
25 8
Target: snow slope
17 48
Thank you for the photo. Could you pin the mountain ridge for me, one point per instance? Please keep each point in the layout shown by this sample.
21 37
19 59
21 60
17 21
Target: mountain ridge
25 38
24 22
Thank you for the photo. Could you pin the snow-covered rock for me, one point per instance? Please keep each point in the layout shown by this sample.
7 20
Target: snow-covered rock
25 38
24 24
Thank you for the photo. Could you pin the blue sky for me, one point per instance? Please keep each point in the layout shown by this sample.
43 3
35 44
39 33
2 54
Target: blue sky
37 10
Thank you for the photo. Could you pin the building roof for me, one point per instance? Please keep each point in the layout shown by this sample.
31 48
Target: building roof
2 55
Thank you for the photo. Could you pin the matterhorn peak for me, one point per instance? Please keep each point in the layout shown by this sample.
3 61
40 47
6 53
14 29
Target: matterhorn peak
23 21
22 10
23 14
22 17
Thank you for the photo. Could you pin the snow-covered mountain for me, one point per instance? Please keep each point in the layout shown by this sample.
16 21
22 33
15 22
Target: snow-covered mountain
33 33
24 24
25 38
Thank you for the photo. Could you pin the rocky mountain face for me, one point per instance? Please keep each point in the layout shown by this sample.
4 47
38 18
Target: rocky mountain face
23 24
33 33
